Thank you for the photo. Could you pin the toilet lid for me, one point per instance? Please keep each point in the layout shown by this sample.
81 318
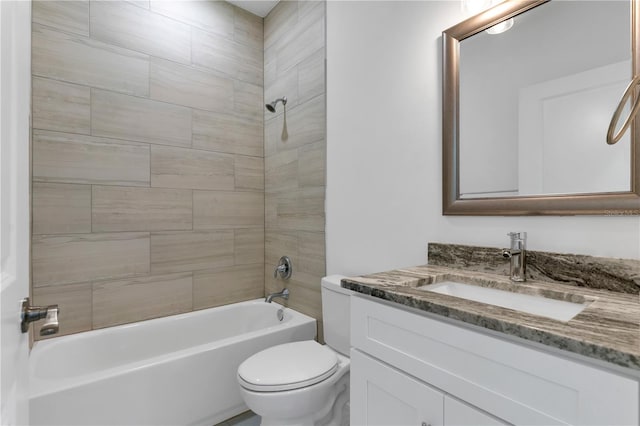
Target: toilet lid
288 366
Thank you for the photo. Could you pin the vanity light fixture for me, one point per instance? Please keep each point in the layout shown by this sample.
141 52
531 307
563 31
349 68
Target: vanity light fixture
473 7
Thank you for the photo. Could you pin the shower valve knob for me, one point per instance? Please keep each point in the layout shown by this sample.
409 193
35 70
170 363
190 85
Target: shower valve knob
284 268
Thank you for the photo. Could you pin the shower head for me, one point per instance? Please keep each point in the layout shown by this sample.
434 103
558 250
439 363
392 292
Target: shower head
271 107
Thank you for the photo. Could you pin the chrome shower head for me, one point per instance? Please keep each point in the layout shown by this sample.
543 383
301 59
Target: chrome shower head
271 107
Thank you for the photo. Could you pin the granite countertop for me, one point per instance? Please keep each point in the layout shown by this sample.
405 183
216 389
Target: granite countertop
608 329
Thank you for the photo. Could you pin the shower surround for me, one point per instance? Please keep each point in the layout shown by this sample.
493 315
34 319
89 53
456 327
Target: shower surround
150 138
147 168
295 150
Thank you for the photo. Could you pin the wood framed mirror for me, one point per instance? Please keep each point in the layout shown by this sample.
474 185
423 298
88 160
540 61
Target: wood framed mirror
512 185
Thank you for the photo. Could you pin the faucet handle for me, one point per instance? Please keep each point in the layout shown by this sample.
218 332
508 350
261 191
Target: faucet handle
517 235
31 313
284 268
518 240
51 324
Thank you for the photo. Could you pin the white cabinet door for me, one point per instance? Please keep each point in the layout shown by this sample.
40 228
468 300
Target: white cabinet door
514 382
457 413
383 396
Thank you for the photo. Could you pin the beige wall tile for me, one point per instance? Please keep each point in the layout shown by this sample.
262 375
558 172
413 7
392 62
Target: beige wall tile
222 286
305 123
65 157
281 171
311 76
130 26
279 21
121 208
311 246
212 16
74 302
278 244
301 210
137 299
127 117
224 132
310 10
188 86
249 173
190 251
249 246
69 16
311 164
61 208
270 73
248 29
84 257
221 209
237 60
308 15
59 106
86 61
190 168
249 100
298 48
271 211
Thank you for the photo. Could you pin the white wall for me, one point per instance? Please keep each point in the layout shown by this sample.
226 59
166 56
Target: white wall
384 150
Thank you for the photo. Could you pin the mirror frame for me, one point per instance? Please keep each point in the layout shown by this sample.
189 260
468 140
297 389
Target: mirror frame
605 203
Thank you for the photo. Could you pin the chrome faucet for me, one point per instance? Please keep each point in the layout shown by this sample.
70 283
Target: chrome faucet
284 294
516 253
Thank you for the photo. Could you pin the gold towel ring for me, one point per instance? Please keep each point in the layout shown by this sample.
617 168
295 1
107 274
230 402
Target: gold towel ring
611 138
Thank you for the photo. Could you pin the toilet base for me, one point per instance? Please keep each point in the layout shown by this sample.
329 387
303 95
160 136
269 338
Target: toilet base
334 412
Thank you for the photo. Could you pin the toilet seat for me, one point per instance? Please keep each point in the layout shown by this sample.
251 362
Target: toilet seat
287 367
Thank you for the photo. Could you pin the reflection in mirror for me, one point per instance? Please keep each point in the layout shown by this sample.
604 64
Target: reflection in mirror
525 122
535 103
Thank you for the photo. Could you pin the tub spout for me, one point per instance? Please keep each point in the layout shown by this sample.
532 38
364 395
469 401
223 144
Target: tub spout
284 294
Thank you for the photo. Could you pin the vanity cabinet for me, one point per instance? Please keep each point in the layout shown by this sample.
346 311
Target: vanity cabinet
383 396
413 368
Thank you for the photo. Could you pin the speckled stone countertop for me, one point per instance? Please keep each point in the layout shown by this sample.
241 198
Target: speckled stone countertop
607 329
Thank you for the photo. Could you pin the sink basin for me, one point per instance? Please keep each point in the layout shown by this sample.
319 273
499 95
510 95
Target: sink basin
538 305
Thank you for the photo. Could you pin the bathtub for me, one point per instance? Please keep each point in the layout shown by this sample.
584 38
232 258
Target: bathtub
178 370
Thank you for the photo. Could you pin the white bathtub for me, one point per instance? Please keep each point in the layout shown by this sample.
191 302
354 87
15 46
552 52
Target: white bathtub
178 370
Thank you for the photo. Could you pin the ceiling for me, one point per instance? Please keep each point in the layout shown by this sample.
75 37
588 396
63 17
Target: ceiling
257 7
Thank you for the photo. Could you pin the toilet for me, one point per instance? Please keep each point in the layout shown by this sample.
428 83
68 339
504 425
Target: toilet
304 383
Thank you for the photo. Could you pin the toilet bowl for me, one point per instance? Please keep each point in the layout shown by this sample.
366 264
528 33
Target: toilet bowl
304 383
298 384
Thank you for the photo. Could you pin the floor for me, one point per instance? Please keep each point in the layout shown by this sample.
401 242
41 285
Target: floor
248 418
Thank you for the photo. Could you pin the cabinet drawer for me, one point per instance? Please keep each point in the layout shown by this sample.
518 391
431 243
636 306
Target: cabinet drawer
519 384
457 413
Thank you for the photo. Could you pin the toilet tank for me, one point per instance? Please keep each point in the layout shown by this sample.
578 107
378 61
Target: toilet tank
336 314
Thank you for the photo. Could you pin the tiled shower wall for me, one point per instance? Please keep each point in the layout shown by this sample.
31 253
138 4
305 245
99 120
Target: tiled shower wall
148 168
294 66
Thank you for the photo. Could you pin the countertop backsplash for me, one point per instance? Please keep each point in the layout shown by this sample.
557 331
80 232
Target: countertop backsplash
620 275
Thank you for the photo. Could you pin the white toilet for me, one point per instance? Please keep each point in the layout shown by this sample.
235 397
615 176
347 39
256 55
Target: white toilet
304 383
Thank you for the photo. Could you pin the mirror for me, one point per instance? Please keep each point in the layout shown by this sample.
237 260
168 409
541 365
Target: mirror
526 111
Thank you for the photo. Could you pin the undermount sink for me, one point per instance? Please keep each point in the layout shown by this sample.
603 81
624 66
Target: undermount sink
538 305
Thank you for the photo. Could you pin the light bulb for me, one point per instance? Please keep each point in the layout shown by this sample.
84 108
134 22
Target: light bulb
501 27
